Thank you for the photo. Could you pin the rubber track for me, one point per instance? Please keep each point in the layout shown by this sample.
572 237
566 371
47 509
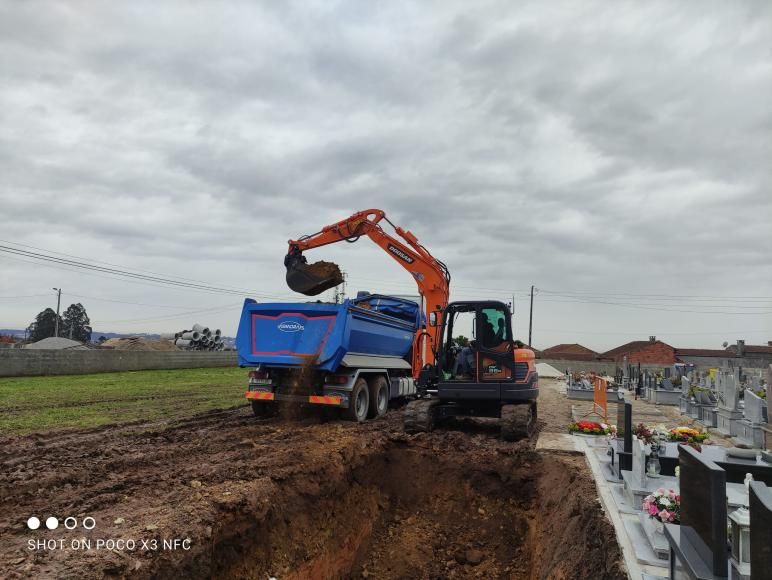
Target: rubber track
419 415
514 422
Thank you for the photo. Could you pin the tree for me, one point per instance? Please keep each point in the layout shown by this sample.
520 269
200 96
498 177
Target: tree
75 323
461 340
44 325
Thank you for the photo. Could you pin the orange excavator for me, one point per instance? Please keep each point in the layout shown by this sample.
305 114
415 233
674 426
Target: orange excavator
492 376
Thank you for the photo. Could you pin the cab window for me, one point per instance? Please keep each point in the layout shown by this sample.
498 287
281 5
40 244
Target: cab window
493 329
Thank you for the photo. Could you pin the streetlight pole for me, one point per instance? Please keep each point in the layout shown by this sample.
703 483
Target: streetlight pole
58 303
530 320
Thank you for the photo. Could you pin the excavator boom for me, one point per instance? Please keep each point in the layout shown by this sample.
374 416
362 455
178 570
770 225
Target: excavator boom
431 275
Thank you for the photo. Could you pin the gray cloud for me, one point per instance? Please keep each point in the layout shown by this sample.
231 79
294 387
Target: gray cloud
605 148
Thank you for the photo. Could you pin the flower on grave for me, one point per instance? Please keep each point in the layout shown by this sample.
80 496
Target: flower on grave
663 505
643 433
588 428
687 436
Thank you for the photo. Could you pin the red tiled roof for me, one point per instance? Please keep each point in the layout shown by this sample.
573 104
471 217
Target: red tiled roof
568 349
701 352
751 349
633 346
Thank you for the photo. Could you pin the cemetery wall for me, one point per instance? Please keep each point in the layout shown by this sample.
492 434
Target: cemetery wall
28 362
601 367
714 362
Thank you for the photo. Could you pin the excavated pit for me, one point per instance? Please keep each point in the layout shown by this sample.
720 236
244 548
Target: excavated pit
304 499
412 510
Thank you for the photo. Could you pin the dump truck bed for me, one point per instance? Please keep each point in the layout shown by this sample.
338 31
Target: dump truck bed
322 334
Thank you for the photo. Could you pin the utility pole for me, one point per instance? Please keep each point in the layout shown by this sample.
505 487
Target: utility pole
58 303
530 320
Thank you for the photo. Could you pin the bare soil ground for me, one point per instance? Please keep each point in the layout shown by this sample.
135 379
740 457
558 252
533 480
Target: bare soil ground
303 499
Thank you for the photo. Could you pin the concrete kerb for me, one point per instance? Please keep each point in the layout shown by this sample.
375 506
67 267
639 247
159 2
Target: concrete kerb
634 569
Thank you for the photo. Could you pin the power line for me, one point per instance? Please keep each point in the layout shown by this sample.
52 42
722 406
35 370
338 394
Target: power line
119 273
663 307
126 302
174 316
622 295
25 296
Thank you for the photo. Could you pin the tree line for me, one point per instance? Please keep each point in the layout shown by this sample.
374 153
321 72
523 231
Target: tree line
74 324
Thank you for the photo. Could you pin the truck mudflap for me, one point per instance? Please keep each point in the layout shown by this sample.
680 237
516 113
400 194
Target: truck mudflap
311 399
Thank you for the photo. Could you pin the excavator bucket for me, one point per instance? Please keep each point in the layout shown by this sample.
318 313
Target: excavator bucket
311 279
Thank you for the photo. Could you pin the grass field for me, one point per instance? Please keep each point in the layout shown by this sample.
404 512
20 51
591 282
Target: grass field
30 404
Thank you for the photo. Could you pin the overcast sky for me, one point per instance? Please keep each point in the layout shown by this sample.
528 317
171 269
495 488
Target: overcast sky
617 151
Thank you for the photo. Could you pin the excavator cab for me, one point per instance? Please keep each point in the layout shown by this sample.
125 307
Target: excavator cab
490 377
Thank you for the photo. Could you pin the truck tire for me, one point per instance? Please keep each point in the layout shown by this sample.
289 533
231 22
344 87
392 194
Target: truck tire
360 401
263 410
379 396
518 421
420 415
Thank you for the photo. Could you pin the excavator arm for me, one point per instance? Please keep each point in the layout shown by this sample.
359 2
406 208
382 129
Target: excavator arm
430 274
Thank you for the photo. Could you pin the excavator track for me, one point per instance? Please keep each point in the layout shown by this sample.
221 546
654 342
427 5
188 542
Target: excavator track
517 421
419 415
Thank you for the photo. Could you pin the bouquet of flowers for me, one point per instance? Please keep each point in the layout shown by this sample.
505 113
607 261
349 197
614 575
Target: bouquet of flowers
664 506
643 433
589 428
687 435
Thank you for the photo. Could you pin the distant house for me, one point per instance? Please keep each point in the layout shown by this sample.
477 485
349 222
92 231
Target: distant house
703 357
573 351
740 354
57 343
652 351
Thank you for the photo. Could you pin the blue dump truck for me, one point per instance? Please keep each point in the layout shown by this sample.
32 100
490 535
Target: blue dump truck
354 356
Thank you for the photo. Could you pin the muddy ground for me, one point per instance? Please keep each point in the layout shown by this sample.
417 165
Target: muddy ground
302 499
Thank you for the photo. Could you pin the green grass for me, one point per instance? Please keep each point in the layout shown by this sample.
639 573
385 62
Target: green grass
33 404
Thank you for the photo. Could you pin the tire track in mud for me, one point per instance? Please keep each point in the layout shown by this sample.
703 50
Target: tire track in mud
304 498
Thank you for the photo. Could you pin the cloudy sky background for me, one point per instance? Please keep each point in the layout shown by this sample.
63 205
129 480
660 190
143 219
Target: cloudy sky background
617 155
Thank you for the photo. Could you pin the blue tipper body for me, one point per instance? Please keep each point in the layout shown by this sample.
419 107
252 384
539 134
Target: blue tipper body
292 334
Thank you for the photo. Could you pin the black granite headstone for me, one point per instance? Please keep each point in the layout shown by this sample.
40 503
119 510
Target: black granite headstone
625 434
703 507
761 531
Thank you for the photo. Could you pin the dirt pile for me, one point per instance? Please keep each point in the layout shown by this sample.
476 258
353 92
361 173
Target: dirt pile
302 499
138 343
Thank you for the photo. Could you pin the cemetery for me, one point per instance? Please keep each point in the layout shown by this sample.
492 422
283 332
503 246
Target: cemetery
683 464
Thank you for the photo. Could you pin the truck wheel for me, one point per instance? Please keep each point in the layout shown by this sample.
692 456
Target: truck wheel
517 421
379 397
263 410
360 401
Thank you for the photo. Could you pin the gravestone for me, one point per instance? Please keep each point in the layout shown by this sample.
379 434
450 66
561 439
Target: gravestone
624 442
760 505
706 409
665 393
728 402
766 428
769 383
698 547
749 428
637 484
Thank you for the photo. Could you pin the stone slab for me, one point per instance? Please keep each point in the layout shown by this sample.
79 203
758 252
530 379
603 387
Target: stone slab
621 501
558 442
644 554
657 541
